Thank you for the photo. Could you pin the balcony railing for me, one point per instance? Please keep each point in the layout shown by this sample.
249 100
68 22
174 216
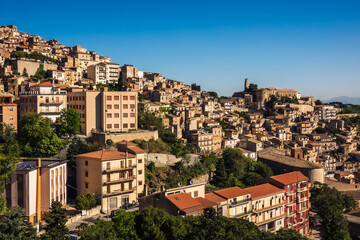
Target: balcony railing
302 189
269 220
268 207
120 180
118 192
242 202
118 169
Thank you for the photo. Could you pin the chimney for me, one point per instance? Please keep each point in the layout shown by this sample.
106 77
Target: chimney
38 191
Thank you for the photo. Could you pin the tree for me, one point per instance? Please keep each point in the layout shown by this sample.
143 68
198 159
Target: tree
9 156
37 137
91 200
40 72
318 102
109 142
14 226
213 94
78 146
124 224
56 223
68 123
220 179
99 230
331 205
25 74
81 202
252 87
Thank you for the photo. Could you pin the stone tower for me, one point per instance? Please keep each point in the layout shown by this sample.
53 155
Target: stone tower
246 87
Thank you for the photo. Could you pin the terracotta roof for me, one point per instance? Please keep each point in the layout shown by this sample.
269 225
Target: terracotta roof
104 155
289 178
231 192
44 84
214 197
184 201
263 190
206 203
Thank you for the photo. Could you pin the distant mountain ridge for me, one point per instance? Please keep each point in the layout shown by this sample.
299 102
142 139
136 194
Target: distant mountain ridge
345 100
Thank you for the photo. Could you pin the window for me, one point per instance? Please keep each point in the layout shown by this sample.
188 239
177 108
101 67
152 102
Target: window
86 185
86 163
140 161
130 163
108 106
125 115
140 172
116 126
116 97
132 115
125 125
196 193
132 125
116 106
125 106
130 185
132 97
86 173
11 109
116 115
140 183
11 117
108 97
132 106
125 97
109 125
122 164
108 115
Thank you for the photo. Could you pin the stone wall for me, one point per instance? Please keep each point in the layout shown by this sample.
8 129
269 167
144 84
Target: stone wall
128 136
31 67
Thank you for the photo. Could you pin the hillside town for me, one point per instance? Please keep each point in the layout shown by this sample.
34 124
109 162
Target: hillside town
131 120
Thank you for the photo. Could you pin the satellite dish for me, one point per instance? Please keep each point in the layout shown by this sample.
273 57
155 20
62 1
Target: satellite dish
179 184
191 182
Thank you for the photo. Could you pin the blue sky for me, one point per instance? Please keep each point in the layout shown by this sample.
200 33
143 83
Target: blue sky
310 46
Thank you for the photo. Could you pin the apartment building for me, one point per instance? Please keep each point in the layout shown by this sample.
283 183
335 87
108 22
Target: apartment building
296 187
104 72
57 75
202 140
268 207
325 112
129 71
35 185
8 110
103 111
232 202
115 178
44 98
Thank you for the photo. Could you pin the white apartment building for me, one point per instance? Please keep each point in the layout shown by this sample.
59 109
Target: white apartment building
104 72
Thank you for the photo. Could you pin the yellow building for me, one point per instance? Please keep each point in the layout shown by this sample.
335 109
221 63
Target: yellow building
114 177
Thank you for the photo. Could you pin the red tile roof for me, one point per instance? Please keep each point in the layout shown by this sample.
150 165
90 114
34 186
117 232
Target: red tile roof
289 178
263 190
231 192
44 84
104 155
214 197
206 203
184 201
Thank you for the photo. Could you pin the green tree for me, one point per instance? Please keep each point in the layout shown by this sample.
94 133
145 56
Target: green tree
78 146
220 179
9 157
25 73
124 224
99 230
14 226
213 94
331 205
318 102
68 123
37 137
92 201
40 72
56 223
81 202
252 87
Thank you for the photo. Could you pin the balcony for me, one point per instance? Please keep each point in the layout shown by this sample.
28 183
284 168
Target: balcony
51 103
242 215
238 203
302 189
269 220
110 170
269 207
120 180
303 199
118 192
